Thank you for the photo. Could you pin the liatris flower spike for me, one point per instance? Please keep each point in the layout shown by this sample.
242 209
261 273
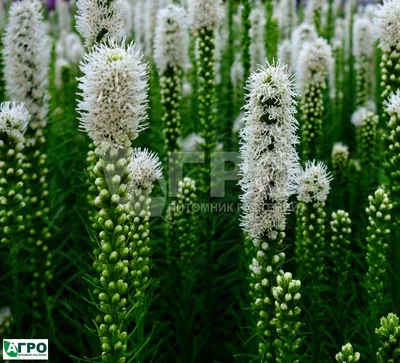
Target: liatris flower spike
171 45
144 169
347 355
389 337
112 112
378 230
310 244
257 36
340 162
26 55
270 171
315 63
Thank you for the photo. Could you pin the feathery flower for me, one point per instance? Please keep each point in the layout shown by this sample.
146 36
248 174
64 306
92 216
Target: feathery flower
114 95
205 14
99 20
171 40
269 165
145 168
14 119
387 27
301 35
26 56
314 183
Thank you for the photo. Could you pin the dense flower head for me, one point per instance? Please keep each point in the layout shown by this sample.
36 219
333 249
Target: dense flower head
269 165
114 95
205 14
171 41
363 41
314 183
301 35
392 105
145 168
315 62
98 20
340 150
387 25
358 117
26 55
14 119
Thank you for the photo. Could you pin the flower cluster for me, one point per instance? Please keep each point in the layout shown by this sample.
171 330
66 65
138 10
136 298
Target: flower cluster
286 320
314 183
27 55
389 337
205 14
171 39
99 20
301 35
347 355
378 229
14 119
269 167
340 161
114 95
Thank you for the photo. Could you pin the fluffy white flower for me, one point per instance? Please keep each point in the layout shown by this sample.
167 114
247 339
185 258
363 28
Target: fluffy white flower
285 51
14 119
99 20
27 56
269 166
145 168
387 25
358 117
314 183
205 14
315 63
340 151
363 42
302 34
392 105
256 33
114 95
171 40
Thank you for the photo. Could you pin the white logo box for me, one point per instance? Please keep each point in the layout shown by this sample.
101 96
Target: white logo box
25 349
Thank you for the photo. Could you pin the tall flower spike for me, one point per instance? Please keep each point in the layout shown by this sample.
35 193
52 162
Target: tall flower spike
270 171
389 337
315 63
287 18
171 45
378 229
256 34
99 20
310 243
151 9
387 30
285 52
205 16
339 64
14 120
363 51
144 170
314 14
347 355
114 95
392 108
26 55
